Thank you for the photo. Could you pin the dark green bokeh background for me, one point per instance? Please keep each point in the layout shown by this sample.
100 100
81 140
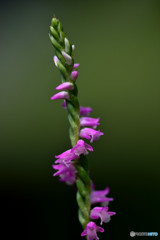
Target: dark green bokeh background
118 47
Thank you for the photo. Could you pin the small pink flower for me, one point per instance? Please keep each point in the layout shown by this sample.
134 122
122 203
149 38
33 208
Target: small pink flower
88 121
85 111
91 134
102 213
75 65
60 95
81 148
66 174
65 86
65 167
74 75
66 157
100 196
91 231
72 154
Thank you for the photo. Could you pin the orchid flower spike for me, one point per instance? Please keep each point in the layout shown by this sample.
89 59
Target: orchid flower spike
72 165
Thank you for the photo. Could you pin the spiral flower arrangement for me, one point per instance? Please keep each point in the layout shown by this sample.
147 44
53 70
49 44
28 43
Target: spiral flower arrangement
72 165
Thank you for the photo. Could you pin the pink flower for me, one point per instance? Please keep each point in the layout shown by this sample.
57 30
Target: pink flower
65 167
102 213
74 75
91 134
66 173
80 148
75 65
65 86
85 111
88 121
100 196
91 231
61 95
66 157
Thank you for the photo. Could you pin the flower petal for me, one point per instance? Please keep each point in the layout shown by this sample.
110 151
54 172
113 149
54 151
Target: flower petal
100 229
65 86
85 111
75 65
60 95
74 75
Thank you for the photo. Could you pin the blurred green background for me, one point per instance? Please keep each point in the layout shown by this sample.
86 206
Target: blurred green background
118 47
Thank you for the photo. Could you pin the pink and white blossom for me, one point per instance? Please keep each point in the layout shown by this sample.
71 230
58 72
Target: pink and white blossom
75 65
89 122
102 213
74 75
65 86
91 134
100 196
66 173
91 231
72 154
60 95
